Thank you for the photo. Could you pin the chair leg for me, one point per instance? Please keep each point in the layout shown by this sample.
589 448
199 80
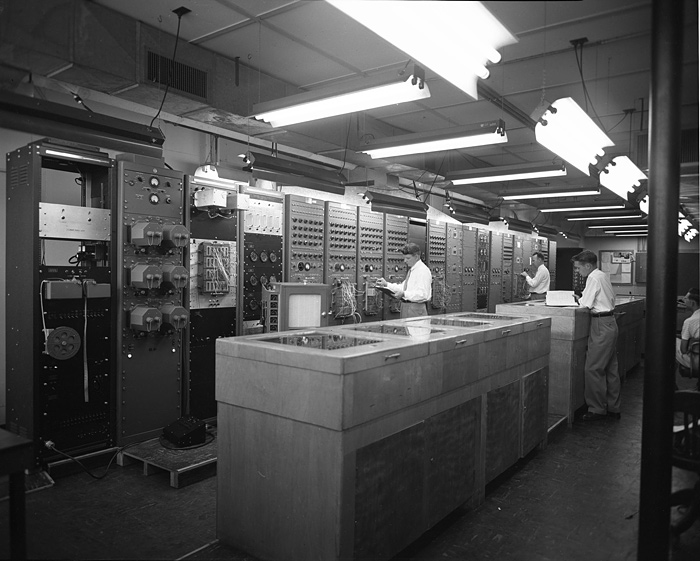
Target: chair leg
691 498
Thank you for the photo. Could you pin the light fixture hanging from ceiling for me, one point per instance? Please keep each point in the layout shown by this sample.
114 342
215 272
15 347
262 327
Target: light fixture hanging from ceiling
546 231
470 35
340 100
291 173
582 208
542 194
568 132
507 173
516 225
622 215
390 204
621 176
482 134
467 213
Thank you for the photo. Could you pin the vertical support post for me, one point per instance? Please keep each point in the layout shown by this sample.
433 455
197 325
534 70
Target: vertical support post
664 177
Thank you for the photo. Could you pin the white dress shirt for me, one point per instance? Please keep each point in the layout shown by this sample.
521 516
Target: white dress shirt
419 287
598 294
539 284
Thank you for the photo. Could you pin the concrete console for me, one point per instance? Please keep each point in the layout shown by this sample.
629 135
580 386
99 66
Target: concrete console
350 442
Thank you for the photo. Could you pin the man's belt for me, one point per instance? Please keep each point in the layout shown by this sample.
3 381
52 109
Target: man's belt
601 314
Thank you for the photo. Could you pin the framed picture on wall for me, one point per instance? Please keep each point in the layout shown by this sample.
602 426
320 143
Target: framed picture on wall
617 265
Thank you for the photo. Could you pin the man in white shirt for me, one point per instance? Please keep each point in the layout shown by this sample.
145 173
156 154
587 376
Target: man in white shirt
416 289
539 284
602 378
690 329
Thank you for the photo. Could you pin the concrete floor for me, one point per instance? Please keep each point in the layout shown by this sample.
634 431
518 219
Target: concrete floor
576 500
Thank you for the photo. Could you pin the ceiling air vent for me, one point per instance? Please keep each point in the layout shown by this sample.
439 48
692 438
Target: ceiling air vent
184 78
689 148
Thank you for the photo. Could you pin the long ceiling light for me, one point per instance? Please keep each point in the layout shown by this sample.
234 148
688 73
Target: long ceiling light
288 172
626 232
621 176
568 132
543 194
320 104
608 226
506 173
492 132
611 217
389 204
581 208
470 35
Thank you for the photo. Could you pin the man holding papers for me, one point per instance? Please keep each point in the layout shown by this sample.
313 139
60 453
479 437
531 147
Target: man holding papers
416 289
539 284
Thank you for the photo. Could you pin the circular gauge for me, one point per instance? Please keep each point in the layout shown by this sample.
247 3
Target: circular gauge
263 280
253 256
263 256
253 280
301 266
273 257
154 181
153 198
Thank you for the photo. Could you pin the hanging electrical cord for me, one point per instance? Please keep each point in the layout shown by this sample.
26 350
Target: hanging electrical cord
179 12
579 62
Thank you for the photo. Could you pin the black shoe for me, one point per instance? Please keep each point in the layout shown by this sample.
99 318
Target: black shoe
614 414
593 416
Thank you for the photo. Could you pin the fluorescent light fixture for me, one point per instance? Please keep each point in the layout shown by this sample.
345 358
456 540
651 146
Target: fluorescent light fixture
644 205
289 172
492 132
516 225
320 104
72 156
389 204
568 132
608 226
571 236
625 232
621 176
548 194
683 225
581 208
545 230
630 235
506 173
466 213
611 217
470 35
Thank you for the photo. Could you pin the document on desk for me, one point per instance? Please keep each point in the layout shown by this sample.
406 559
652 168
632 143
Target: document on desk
560 298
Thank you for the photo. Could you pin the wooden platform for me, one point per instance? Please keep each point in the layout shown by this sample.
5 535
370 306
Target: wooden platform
185 466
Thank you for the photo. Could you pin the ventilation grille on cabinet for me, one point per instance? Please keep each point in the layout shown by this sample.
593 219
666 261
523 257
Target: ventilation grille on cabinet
182 77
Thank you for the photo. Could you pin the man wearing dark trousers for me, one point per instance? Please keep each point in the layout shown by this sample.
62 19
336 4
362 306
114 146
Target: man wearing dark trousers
416 289
539 283
601 373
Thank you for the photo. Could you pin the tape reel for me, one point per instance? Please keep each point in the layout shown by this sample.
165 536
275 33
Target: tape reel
62 343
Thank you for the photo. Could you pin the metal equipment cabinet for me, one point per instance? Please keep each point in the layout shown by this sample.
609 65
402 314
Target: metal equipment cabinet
350 442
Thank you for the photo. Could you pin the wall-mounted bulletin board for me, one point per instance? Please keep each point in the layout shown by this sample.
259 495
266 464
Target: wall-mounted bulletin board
617 265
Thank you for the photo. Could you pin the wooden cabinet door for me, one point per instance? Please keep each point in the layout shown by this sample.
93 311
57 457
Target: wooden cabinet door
535 393
502 429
